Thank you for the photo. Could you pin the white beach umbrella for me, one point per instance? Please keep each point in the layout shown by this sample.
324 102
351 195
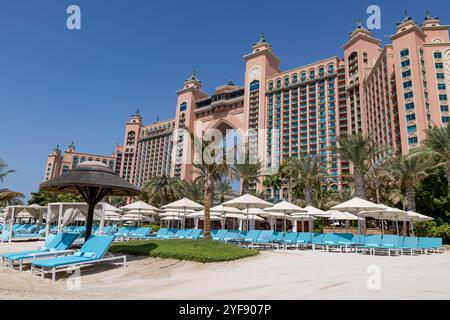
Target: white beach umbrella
417 217
184 205
109 207
172 218
24 214
355 206
134 217
222 210
139 205
337 215
287 208
246 202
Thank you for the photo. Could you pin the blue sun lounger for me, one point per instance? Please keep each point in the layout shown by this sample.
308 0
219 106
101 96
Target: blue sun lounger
218 235
57 246
430 245
196 234
232 235
91 252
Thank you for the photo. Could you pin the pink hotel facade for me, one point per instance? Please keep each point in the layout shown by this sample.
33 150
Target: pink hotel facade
393 93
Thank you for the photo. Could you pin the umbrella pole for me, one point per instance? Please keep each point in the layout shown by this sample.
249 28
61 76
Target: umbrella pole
396 226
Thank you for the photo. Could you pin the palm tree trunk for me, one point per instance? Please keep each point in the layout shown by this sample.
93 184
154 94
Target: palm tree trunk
447 173
410 195
208 191
289 190
245 185
359 183
308 196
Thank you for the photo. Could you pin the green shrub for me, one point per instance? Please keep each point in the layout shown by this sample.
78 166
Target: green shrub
193 250
432 229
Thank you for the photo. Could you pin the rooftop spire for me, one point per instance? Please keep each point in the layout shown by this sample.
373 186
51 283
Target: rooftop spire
359 24
193 76
261 40
428 16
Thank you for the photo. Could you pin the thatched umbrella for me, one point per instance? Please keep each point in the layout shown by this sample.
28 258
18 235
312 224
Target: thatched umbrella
93 181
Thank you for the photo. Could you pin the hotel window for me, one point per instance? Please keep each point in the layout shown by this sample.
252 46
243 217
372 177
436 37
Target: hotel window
404 53
439 65
445 119
412 129
409 95
271 85
365 57
413 140
183 107
444 108
294 78
440 76
407 84
406 73
254 85
443 97
303 76
286 81
278 83
312 74
409 106
405 63
438 55
442 86
411 117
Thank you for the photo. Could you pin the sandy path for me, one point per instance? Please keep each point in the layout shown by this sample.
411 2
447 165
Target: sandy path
271 275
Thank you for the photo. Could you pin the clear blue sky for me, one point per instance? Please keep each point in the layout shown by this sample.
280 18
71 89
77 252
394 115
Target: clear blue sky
59 86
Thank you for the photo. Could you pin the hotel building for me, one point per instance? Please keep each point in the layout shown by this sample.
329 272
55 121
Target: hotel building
391 93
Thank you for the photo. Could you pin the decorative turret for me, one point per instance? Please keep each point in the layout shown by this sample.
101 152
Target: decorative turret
360 30
406 23
430 21
193 82
71 148
136 118
56 151
261 45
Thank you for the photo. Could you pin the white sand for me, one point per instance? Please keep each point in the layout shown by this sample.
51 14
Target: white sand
271 275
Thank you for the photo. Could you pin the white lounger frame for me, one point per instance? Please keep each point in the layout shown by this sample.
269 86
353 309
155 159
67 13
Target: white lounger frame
44 270
34 256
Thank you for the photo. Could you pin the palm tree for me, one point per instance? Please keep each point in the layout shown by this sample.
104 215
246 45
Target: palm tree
209 171
161 190
437 144
359 150
193 190
3 170
405 172
247 169
43 198
7 196
377 186
306 173
223 188
286 174
273 183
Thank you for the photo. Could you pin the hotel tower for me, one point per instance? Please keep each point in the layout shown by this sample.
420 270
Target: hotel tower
391 93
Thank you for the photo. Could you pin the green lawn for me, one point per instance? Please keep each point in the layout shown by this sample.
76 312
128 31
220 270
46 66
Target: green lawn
192 250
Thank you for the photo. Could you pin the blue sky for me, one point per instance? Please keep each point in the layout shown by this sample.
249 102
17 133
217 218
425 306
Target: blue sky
59 86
